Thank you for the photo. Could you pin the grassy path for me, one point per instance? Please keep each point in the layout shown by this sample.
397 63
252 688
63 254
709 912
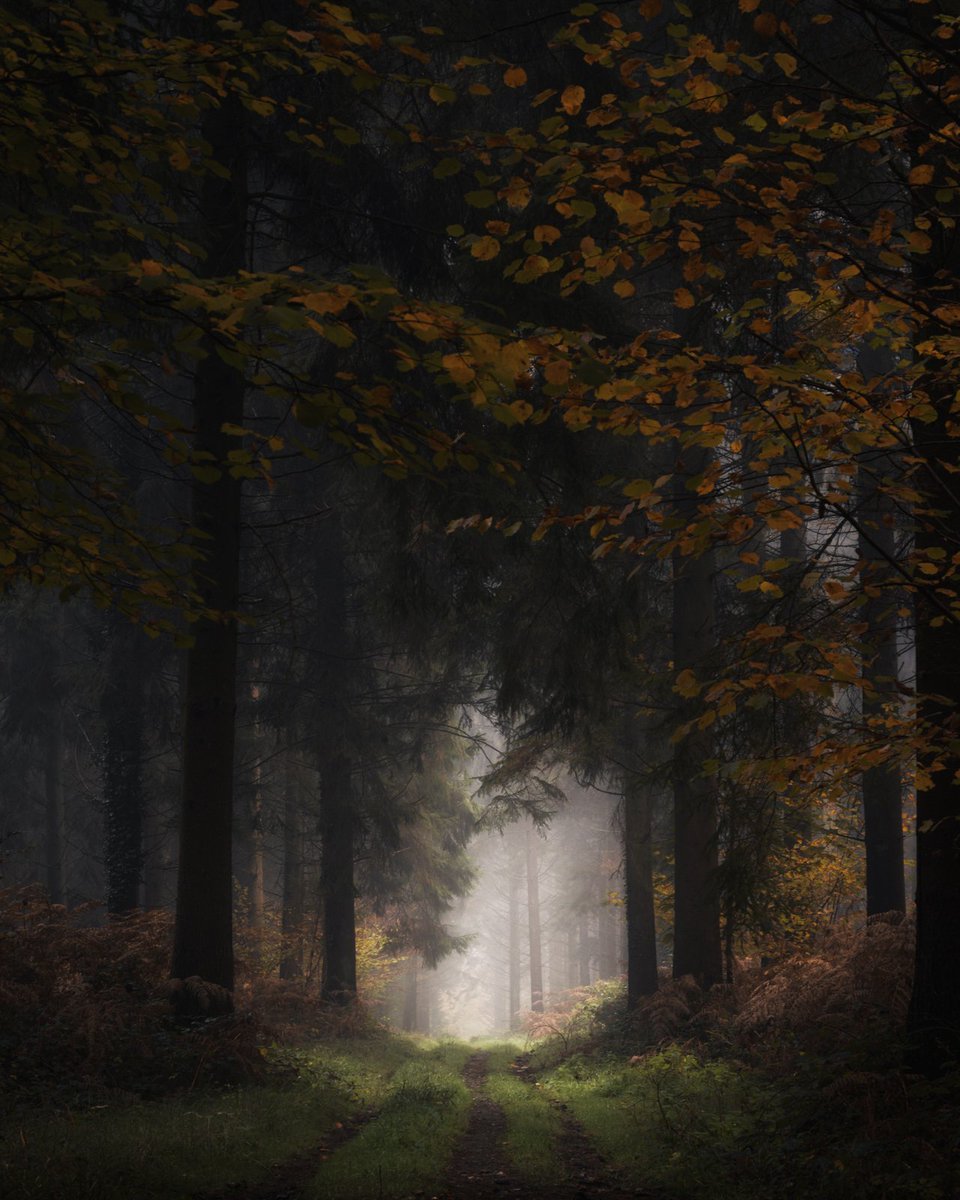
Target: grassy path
378 1119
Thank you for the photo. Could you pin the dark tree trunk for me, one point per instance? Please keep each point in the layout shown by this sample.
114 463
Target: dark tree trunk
121 707
408 1020
203 933
339 985
533 921
53 809
291 962
696 933
934 1016
882 797
256 915
641 934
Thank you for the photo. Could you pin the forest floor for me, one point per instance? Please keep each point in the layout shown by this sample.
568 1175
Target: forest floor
392 1117
481 1167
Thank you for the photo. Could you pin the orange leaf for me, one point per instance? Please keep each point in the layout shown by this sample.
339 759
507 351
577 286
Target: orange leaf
515 77
485 248
766 24
572 98
683 298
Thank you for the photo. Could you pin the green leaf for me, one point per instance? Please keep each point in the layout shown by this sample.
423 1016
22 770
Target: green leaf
481 199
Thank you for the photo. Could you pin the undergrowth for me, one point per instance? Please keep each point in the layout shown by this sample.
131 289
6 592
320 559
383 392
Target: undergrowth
789 1082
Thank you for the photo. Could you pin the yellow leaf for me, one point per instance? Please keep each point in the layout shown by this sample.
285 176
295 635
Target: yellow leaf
683 298
546 233
686 684
515 77
786 62
572 98
624 288
485 248
457 367
921 174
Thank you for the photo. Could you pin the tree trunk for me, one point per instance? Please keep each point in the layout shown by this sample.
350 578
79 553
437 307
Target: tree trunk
291 962
408 1021
696 933
533 921
121 706
514 943
934 1016
339 984
53 809
257 909
641 934
203 932
882 798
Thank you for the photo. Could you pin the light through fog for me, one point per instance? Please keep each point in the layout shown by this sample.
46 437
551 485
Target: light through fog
575 860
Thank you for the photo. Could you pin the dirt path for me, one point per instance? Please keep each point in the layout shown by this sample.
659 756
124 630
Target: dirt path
480 1168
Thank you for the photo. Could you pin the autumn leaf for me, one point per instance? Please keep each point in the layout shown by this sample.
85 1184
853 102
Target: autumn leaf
485 248
572 98
683 298
686 684
515 77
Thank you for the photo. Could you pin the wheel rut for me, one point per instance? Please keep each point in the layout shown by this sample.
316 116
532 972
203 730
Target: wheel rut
288 1180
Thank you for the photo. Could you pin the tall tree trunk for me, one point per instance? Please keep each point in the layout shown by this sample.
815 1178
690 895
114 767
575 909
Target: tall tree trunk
408 1020
337 818
641 932
121 706
513 919
291 929
257 910
533 921
934 1016
53 809
696 933
573 962
203 932
882 797
339 984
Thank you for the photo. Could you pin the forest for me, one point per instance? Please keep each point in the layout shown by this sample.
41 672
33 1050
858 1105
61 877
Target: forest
480 615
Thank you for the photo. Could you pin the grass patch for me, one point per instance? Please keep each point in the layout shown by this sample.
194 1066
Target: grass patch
407 1147
167 1149
670 1120
533 1125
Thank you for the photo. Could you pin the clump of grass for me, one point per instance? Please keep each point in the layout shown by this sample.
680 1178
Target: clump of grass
533 1125
407 1147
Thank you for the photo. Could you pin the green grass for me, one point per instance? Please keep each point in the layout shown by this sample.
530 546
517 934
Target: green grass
165 1150
407 1147
672 1121
533 1125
